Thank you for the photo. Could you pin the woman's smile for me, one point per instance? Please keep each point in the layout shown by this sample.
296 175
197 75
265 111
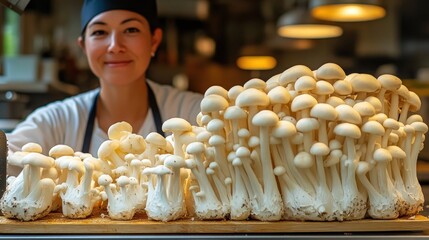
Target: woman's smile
115 64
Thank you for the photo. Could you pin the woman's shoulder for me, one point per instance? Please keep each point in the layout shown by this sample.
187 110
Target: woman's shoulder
80 103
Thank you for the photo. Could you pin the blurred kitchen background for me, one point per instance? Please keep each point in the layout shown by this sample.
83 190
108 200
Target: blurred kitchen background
203 39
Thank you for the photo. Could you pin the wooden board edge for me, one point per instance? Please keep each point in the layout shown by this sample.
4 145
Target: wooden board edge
144 226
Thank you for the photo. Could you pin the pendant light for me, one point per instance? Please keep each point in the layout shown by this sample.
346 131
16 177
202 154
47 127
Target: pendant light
347 10
256 57
298 23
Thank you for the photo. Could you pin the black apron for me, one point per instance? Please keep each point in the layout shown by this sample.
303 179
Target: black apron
91 119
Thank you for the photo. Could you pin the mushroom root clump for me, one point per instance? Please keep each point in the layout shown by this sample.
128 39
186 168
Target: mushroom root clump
305 145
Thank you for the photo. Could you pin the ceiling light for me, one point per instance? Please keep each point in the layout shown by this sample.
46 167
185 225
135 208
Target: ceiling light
255 57
298 23
347 10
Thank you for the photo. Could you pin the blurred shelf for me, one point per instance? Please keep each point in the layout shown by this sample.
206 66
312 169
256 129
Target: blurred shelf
27 87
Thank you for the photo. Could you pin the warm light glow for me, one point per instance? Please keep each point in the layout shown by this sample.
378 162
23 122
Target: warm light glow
310 31
348 12
256 62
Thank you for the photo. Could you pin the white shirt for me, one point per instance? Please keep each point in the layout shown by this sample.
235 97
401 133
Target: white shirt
64 122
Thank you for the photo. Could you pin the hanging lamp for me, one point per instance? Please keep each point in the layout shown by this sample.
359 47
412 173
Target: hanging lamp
298 23
347 10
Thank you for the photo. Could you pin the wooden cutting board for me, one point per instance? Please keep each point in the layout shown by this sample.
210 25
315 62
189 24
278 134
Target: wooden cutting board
56 223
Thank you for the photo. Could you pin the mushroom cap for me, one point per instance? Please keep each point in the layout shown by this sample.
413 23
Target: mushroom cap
174 161
389 82
319 149
214 165
350 76
216 90
136 163
38 160
293 73
323 88
343 87
391 123
15 158
255 83
375 102
279 95
252 97
155 139
132 143
243 133
253 141
190 163
105 180
347 113
305 83
215 125
32 147
414 118
348 130
408 129
303 160
403 92
237 162
158 170
362 168
265 118
195 148
382 155
107 147
414 101
213 103
203 136
76 165
279 170
333 158
187 137
242 152
307 125
272 82
216 140
419 127
373 127
117 130
396 152
303 101
330 71
335 101
234 112
335 144
284 129
365 83
364 108
178 124
235 91
379 117
324 111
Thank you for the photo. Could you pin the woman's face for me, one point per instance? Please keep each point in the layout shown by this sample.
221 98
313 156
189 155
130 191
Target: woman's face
119 46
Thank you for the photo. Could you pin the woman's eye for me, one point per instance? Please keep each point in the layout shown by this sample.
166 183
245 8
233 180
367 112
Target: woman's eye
98 33
132 30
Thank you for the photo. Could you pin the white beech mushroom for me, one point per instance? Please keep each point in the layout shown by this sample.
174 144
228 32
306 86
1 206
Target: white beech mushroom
29 197
330 72
271 206
207 204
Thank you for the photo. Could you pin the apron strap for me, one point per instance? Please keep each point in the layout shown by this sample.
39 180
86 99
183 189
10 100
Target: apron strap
91 118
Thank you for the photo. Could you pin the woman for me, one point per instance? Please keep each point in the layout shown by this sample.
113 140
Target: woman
119 38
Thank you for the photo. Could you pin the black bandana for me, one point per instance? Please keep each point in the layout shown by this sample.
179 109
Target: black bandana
146 8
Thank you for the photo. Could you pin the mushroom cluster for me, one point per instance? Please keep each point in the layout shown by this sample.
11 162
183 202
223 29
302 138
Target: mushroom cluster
304 145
